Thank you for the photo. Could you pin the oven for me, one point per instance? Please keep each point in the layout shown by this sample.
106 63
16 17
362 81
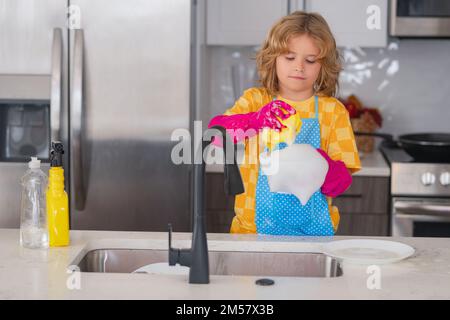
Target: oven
420 217
420 202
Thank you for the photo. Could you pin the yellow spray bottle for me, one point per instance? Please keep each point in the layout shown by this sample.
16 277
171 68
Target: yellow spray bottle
57 200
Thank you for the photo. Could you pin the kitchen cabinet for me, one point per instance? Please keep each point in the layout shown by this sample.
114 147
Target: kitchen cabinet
364 207
241 22
354 23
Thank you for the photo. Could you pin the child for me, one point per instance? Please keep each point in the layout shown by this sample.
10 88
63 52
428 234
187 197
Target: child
299 67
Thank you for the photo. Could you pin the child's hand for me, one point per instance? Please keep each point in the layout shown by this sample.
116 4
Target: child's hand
338 179
247 125
269 116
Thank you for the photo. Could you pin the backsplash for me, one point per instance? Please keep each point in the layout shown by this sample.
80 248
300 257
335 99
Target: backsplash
229 70
408 81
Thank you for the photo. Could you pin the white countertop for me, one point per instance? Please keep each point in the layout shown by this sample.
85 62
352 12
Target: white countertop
373 165
42 274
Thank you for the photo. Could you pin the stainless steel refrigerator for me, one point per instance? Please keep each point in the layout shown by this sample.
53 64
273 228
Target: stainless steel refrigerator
119 83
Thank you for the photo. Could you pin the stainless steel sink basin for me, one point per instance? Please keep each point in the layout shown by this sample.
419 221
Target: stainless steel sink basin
246 263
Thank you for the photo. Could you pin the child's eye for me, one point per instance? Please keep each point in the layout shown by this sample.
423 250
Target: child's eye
311 61
290 58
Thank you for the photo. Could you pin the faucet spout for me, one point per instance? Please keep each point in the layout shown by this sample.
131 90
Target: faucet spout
197 257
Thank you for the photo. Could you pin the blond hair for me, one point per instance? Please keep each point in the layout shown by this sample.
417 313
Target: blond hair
276 43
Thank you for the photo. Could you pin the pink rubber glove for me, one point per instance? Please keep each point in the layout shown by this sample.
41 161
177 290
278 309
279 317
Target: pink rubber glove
245 125
338 179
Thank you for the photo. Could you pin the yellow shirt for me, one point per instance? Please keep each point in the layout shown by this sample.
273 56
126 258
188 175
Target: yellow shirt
337 139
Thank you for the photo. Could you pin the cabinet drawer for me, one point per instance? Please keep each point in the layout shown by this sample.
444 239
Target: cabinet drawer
218 221
366 194
361 224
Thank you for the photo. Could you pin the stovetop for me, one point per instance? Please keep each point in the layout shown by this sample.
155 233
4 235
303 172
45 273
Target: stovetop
394 154
412 178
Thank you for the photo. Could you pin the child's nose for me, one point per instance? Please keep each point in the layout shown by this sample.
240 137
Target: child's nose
299 67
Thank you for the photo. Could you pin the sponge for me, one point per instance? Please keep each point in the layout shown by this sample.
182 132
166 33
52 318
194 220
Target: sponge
271 137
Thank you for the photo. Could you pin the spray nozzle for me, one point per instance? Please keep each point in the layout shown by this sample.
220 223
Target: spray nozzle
56 154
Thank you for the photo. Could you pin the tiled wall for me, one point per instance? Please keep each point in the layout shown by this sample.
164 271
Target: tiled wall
409 81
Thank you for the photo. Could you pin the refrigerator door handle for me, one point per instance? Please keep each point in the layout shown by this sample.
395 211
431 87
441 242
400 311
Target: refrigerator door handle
76 115
56 85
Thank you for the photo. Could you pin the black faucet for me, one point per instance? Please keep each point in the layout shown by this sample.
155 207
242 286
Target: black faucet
197 257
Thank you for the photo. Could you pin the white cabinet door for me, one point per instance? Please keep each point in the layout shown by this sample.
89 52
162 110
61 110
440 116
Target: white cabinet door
242 22
354 23
296 5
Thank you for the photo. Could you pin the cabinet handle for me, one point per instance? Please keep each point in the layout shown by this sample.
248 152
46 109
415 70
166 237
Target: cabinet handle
354 195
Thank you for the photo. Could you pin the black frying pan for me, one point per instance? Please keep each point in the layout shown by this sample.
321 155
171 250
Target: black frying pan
423 147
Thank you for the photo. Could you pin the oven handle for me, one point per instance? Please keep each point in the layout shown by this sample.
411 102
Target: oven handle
413 208
421 218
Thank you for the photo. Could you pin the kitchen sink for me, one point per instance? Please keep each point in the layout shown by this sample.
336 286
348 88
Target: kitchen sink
239 263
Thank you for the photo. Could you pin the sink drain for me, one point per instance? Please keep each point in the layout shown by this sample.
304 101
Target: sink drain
264 282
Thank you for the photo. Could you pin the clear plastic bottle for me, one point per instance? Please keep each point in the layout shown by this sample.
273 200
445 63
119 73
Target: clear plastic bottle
33 215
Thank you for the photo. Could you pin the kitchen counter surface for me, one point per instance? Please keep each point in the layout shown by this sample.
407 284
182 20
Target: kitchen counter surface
373 165
42 274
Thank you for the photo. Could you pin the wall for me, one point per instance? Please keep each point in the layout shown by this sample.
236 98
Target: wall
409 81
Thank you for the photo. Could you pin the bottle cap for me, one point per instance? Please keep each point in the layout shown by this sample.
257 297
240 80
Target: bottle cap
34 163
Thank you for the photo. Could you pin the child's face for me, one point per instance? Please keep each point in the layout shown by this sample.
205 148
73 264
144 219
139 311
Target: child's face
298 69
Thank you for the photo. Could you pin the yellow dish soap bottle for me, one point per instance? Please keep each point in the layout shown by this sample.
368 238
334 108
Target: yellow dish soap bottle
57 200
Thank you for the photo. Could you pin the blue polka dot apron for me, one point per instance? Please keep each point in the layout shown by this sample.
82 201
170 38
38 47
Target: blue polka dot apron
283 213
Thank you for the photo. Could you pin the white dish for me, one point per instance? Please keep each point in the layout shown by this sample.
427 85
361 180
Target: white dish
368 251
162 268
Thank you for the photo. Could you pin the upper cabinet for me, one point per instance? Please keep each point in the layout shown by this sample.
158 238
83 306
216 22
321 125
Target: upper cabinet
354 23
242 22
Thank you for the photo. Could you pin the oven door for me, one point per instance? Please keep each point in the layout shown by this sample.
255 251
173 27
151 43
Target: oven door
412 217
420 18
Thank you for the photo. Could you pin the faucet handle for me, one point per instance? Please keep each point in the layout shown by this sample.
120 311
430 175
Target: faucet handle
169 226
181 256
173 253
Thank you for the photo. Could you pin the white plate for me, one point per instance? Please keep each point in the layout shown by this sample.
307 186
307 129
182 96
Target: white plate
162 268
368 251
